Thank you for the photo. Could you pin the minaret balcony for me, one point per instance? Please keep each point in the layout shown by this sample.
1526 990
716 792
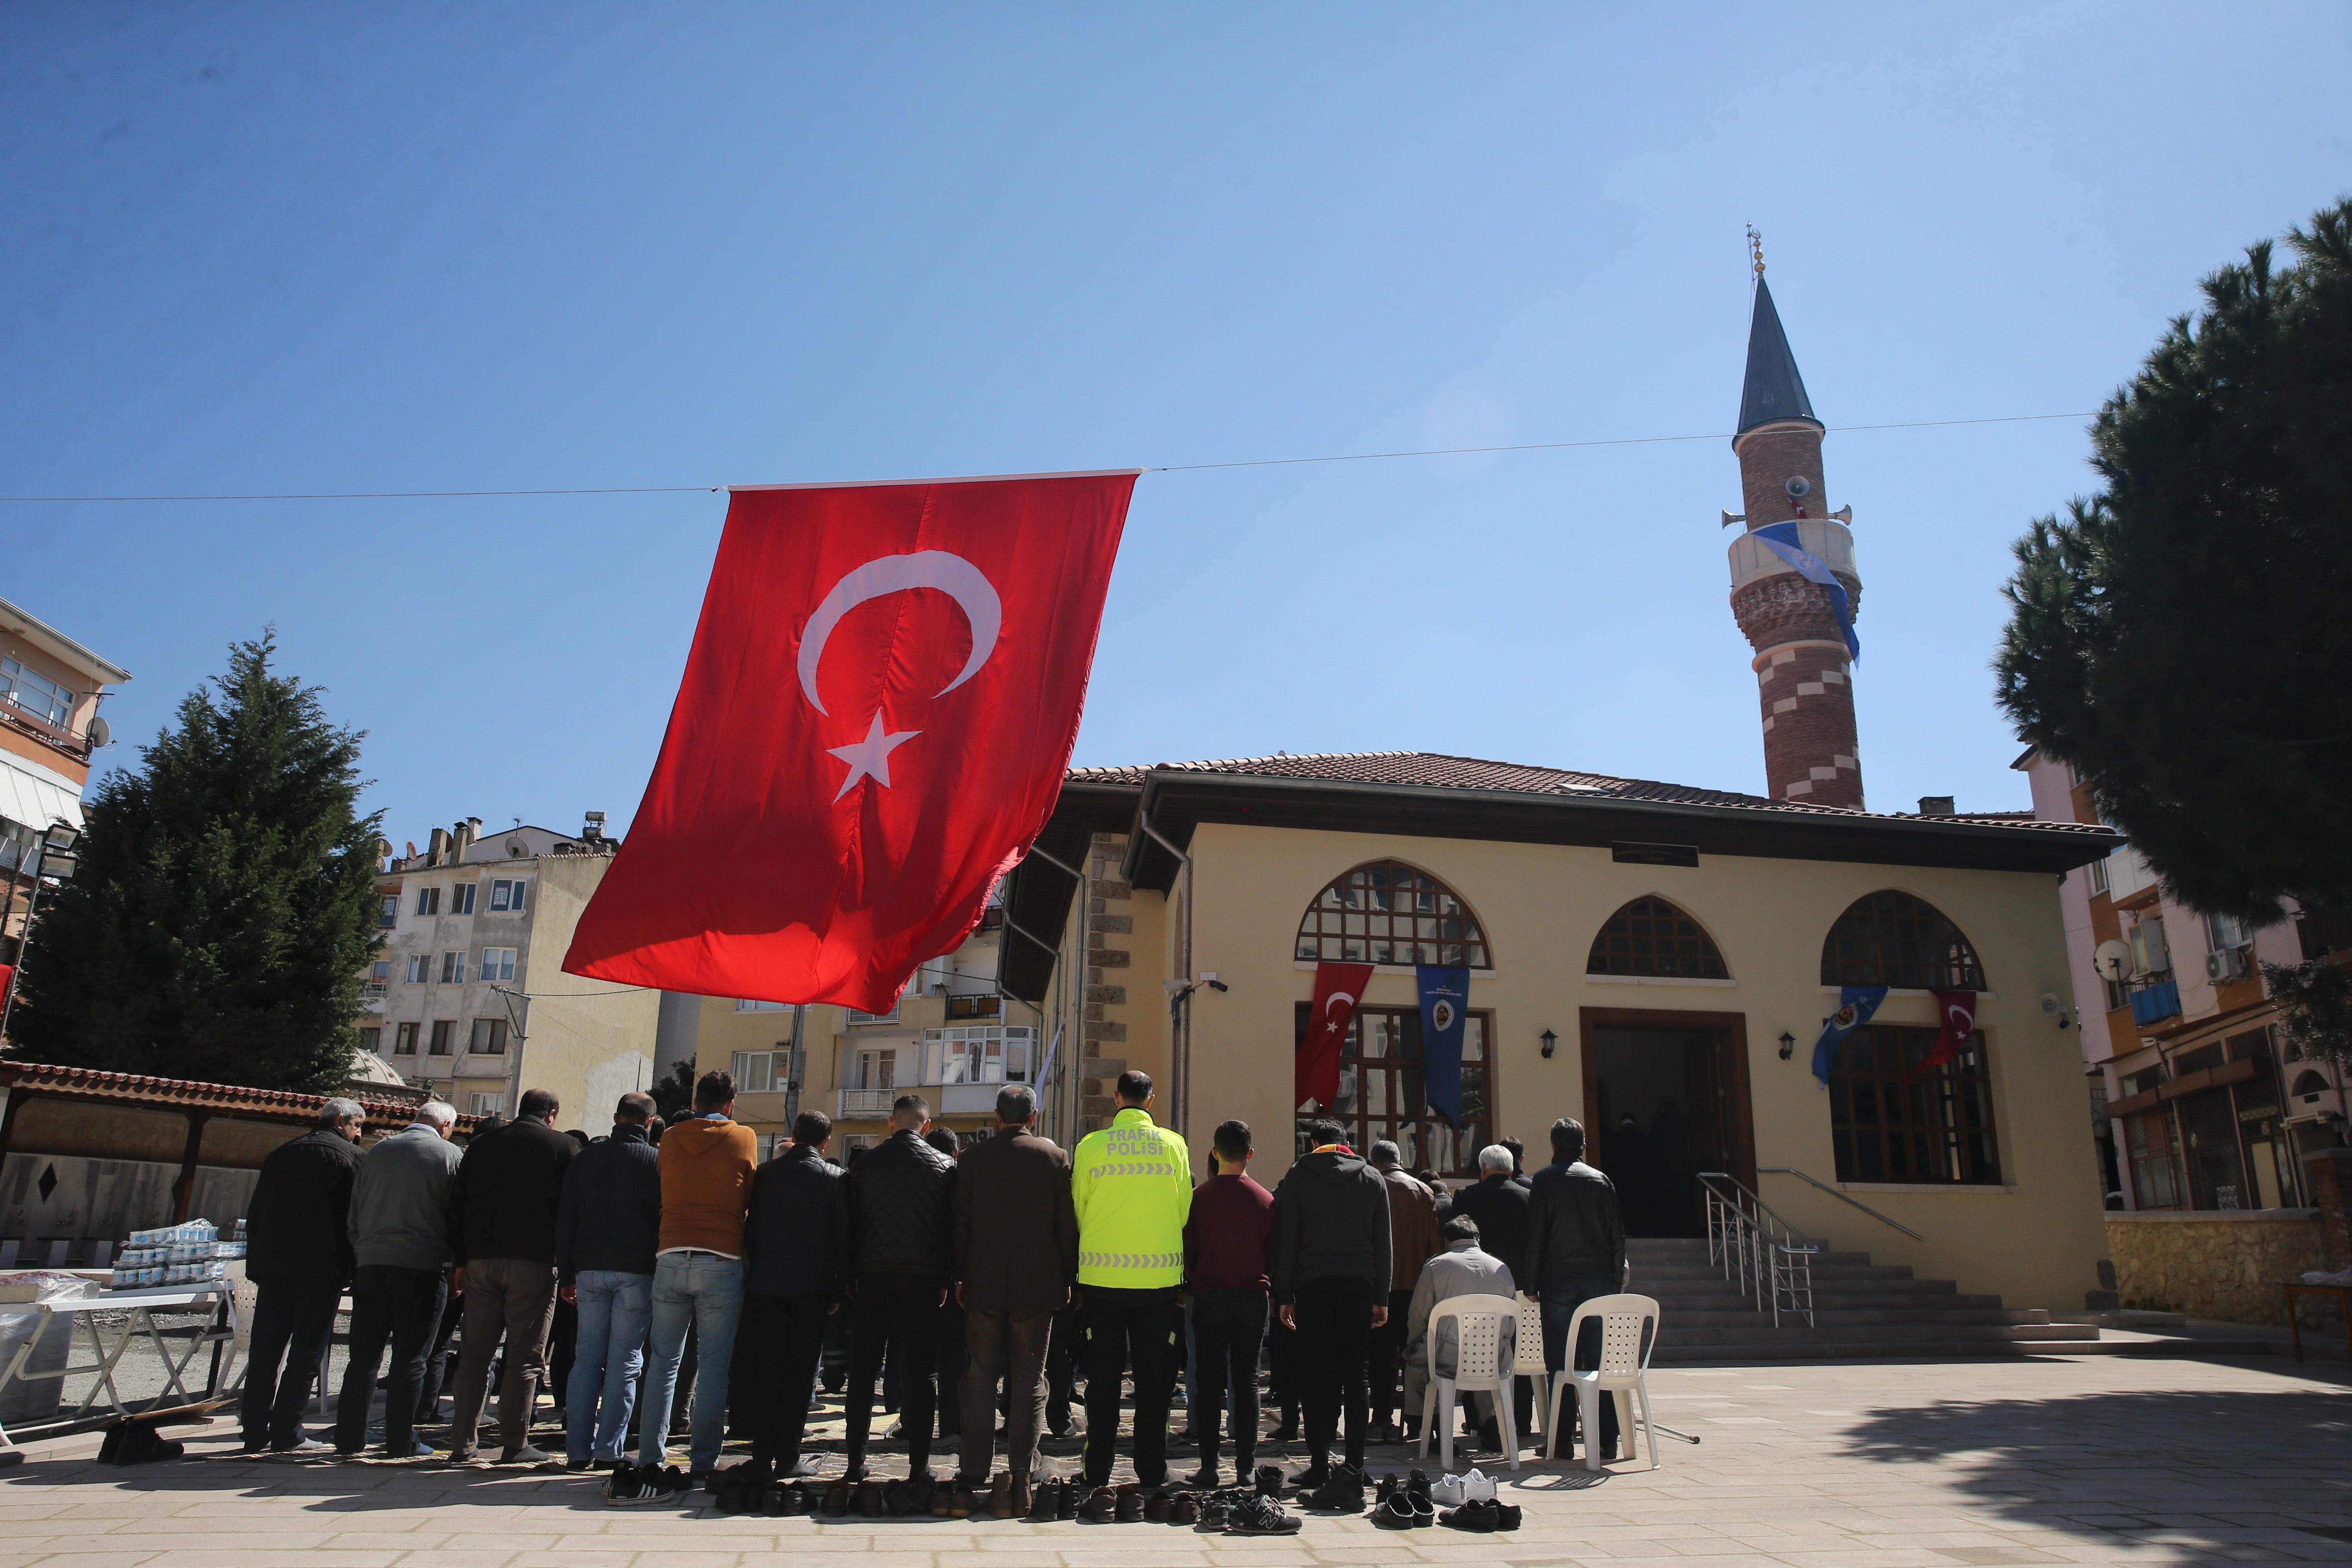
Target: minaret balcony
1822 536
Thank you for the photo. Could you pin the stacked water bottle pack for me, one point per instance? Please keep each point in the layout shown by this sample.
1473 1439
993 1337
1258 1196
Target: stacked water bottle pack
190 1254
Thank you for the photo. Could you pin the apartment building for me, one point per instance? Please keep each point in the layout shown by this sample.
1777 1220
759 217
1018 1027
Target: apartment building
2200 1104
952 1038
467 996
51 687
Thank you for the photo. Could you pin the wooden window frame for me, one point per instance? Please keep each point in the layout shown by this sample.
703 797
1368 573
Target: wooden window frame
1478 1130
1858 957
1674 953
1340 921
1941 1147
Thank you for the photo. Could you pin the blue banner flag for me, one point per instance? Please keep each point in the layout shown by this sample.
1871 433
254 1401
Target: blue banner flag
1781 539
1855 1005
1444 1003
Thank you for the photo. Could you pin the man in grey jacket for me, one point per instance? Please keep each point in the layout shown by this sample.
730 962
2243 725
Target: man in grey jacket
1462 1269
399 1230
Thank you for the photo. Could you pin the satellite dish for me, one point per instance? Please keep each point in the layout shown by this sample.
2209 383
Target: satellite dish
99 732
2113 960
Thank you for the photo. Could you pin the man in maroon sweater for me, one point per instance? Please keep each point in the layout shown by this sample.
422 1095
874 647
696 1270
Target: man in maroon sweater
1225 1245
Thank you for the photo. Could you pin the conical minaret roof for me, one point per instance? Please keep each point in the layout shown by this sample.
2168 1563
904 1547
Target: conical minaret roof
1773 391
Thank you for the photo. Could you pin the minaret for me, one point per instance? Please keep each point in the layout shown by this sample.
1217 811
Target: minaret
1804 677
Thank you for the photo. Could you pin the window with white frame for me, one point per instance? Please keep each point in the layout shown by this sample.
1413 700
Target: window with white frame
487 1104
37 694
858 1018
497 965
420 968
2223 932
453 969
761 1072
876 1071
489 1037
403 1040
2097 871
461 898
978 1053
428 901
387 912
506 897
745 1005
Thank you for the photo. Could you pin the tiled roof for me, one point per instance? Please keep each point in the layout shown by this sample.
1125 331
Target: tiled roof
186 1094
1433 770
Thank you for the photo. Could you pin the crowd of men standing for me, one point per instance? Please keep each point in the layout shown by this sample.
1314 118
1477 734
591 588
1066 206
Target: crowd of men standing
681 1252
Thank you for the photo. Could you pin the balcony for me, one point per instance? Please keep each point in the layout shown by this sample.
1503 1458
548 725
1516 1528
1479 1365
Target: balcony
947 1100
865 1104
2153 1003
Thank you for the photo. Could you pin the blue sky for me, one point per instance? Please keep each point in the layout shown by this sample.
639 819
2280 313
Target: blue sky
287 248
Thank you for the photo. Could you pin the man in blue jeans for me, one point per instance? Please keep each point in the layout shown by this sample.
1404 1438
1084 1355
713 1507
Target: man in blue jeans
708 1161
1575 1251
606 1229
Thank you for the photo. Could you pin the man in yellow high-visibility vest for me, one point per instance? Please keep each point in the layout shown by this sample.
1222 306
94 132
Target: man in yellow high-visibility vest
1132 1184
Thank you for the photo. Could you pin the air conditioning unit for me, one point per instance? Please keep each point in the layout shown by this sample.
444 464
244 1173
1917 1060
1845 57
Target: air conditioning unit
2225 963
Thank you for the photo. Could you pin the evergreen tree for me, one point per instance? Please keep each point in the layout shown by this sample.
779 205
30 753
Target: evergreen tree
224 904
2182 637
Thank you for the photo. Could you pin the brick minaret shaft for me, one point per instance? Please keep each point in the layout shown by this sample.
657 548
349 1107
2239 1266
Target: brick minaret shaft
1804 680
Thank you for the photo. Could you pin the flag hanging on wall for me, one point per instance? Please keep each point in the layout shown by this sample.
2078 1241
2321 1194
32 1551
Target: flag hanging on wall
873 726
1445 1006
1855 1005
1957 1009
1315 1070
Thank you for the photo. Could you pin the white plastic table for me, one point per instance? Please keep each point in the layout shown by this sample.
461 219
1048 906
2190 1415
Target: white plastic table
140 1307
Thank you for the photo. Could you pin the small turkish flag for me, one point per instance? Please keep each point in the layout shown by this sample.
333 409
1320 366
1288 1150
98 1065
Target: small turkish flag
1316 1071
1959 1011
873 726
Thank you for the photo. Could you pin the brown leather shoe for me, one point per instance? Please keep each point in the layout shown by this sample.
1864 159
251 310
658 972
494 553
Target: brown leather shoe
1131 1504
1000 1497
1100 1508
1022 1501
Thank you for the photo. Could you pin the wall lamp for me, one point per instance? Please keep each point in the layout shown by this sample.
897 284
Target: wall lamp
1551 1044
1788 1045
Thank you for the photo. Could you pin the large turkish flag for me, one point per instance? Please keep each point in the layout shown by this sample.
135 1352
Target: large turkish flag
873 726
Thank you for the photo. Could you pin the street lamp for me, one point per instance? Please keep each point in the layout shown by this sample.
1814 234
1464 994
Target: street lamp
53 858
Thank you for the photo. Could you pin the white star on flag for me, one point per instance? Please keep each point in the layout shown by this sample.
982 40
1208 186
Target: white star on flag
870 758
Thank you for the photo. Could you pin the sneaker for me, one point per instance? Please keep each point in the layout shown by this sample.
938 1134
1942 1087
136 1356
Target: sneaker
526 1454
1268 1480
418 1449
1186 1510
1260 1516
1417 1483
634 1486
1343 1493
1477 1487
305 1448
1447 1492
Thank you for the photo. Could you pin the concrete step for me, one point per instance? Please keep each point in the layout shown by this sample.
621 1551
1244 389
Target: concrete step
1953 1350
1794 1331
1828 1318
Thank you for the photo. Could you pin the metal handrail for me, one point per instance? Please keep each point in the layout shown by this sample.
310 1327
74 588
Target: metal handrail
1793 1170
1758 1247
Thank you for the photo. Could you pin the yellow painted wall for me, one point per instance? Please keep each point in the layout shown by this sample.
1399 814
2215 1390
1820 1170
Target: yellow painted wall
589 1041
2038 1245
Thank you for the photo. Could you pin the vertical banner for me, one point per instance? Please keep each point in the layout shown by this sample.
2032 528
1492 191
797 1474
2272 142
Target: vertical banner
1957 1009
1445 1007
1855 1005
1316 1071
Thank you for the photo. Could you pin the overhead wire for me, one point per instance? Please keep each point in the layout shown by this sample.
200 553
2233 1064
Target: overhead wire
1159 469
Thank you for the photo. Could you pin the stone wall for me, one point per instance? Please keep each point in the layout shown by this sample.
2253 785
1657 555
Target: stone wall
2225 1267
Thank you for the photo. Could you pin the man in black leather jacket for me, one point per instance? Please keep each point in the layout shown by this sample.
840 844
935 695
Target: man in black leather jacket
299 1255
901 1256
796 1252
1575 1251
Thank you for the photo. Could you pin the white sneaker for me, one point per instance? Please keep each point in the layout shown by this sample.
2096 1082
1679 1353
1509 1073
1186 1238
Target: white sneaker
1448 1490
526 1454
1477 1487
305 1447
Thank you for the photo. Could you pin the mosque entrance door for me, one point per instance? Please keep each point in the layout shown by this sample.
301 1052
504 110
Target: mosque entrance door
1666 1096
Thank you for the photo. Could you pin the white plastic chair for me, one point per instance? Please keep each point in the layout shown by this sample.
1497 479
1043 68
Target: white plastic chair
1530 1362
1629 1332
1479 1323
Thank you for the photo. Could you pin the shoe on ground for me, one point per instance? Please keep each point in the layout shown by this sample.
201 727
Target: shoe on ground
1477 1487
640 1486
1101 1505
1000 1497
1267 1478
305 1447
1045 1501
1395 1512
464 1456
1186 1509
1384 1434
1067 1499
1447 1492
526 1454
1343 1493
1129 1503
1506 1516
1260 1516
418 1449
1388 1487
1479 1518
870 1498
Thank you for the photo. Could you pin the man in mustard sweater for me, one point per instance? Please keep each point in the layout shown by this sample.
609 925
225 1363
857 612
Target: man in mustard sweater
1131 1186
707 1163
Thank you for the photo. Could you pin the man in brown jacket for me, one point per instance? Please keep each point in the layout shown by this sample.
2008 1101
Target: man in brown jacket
1413 1241
708 1161
1016 1252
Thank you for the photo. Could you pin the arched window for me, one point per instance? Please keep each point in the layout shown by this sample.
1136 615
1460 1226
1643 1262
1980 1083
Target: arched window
1651 937
1888 938
1386 913
2309 1083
